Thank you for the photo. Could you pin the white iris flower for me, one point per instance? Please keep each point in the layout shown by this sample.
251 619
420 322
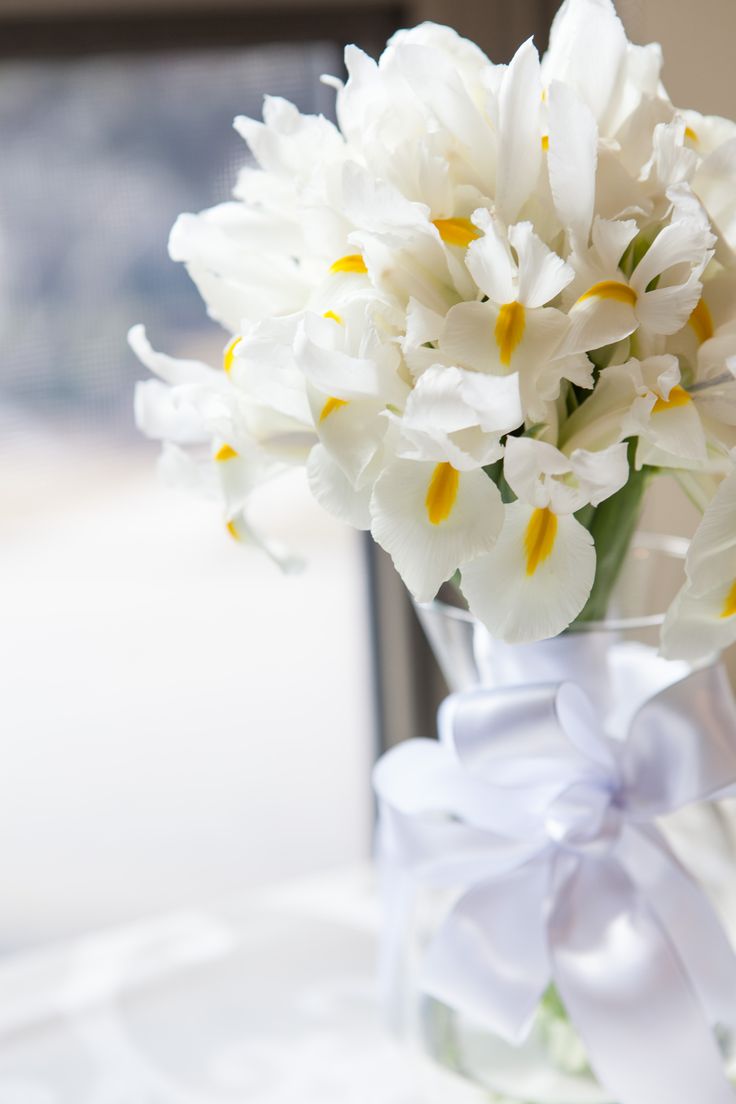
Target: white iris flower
543 563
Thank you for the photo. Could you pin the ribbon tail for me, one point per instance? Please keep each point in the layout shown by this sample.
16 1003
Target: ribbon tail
688 918
627 992
489 958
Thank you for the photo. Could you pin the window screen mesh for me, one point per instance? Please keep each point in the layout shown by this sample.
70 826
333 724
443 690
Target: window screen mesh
99 156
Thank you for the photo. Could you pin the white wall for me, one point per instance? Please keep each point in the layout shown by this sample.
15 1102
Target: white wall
178 719
698 38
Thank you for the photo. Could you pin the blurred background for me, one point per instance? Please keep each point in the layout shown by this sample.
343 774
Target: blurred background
179 720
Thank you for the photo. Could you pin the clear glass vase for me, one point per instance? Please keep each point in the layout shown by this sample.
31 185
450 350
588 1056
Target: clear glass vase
604 658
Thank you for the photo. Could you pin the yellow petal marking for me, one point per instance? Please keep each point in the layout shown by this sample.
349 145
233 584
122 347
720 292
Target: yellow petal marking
545 142
729 606
442 492
229 354
226 452
232 530
539 538
611 289
701 321
509 330
352 263
331 405
456 231
678 397
691 134
333 316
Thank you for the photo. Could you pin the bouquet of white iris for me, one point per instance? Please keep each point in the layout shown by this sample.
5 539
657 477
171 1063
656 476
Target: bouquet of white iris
484 311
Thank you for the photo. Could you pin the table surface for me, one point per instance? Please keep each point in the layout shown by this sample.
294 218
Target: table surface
267 999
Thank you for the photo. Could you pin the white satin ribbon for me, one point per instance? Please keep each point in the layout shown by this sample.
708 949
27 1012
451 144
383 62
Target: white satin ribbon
546 826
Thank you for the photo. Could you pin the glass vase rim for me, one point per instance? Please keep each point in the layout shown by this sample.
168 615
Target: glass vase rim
665 543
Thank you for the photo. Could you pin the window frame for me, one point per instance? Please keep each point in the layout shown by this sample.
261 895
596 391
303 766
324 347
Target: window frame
43 28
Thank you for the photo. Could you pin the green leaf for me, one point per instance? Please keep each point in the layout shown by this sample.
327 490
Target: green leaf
612 526
638 248
552 1002
495 472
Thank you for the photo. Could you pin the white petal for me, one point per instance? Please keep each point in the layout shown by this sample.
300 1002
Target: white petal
458 416
169 413
617 195
490 264
576 368
237 282
676 434
685 241
495 399
437 401
338 373
467 337
542 274
240 475
170 369
465 449
713 184
694 629
600 474
587 49
665 310
537 362
598 422
526 460
226 300
611 238
638 82
377 206
352 431
596 321
335 493
439 88
265 370
711 558
671 162
519 145
422 325
179 469
242 530
287 143
572 160
519 607
427 554
281 437
451 399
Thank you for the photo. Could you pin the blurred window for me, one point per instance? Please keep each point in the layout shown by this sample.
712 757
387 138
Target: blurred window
178 719
99 156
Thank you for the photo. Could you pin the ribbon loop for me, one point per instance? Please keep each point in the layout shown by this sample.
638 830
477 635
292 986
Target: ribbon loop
681 745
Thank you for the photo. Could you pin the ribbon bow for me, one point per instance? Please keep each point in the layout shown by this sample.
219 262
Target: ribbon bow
548 830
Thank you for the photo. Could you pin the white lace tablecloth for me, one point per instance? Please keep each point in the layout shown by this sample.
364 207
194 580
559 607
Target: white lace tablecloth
266 1000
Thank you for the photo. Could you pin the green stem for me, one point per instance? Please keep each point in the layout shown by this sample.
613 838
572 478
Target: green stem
694 489
612 526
